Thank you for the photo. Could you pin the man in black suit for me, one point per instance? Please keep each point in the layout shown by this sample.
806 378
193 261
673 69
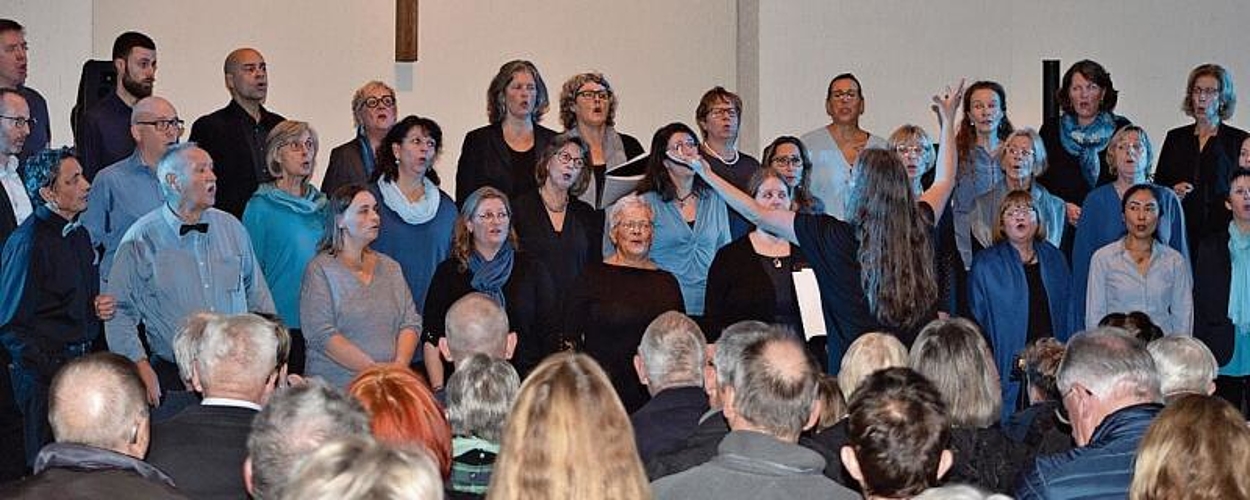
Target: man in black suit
670 363
236 368
15 127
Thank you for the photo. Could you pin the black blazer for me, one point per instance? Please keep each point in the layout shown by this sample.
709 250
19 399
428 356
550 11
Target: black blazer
8 219
203 449
1212 285
347 166
1208 170
738 288
485 160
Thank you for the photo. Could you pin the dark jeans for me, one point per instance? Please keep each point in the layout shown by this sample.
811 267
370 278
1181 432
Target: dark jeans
1235 390
12 454
30 391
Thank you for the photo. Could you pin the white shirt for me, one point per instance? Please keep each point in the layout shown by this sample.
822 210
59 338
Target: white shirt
16 190
238 403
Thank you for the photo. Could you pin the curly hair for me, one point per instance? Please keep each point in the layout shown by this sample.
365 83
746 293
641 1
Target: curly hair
895 256
388 165
568 98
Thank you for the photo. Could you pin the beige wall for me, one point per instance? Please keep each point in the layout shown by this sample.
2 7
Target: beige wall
59 35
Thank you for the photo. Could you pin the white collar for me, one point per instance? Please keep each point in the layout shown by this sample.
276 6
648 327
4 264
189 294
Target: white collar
10 166
237 403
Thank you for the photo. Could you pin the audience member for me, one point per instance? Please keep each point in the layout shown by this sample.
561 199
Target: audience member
1136 323
1197 448
719 116
15 126
1040 426
832 403
236 368
50 283
294 424
1110 389
99 415
959 492
123 192
476 324
869 353
501 155
403 412
103 131
14 66
836 146
479 395
568 437
1185 366
181 257
356 468
235 135
588 112
669 363
374 111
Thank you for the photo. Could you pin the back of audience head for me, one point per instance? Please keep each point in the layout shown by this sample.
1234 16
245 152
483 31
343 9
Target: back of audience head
1197 448
476 324
1185 366
958 492
403 412
1137 323
99 400
870 352
358 468
897 434
237 358
1041 367
1105 370
953 355
774 390
296 422
671 353
568 437
479 394
832 402
728 355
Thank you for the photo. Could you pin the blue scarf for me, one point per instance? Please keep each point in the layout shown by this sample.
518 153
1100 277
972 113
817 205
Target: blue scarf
1087 142
366 152
1239 289
490 276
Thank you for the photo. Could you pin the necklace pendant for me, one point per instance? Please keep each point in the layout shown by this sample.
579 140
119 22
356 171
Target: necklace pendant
777 262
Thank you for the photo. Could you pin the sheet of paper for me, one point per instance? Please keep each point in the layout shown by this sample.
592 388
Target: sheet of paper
811 310
614 187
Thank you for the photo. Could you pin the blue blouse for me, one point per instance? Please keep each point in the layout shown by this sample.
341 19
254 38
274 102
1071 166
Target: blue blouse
417 248
285 230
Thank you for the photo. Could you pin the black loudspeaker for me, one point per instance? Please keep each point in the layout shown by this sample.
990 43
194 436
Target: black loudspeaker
98 79
1050 89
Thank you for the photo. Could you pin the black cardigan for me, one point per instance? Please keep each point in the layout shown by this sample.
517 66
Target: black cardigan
347 166
739 289
1208 170
486 160
1212 285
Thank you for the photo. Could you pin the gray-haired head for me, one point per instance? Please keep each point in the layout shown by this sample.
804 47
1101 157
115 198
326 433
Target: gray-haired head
187 343
672 350
176 162
294 423
237 356
99 400
359 467
1185 365
733 340
775 387
1109 363
479 395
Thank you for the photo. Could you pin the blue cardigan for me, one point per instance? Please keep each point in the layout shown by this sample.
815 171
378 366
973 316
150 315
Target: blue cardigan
417 248
999 294
285 231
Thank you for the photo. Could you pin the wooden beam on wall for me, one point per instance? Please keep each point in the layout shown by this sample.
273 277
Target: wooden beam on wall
406 14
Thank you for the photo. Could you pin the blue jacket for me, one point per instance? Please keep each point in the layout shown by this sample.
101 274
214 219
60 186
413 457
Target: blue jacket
1101 469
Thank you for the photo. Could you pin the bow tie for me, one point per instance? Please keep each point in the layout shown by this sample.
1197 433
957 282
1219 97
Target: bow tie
70 227
186 228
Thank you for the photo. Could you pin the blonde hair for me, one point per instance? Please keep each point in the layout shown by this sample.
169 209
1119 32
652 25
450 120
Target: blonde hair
953 355
869 353
568 437
358 467
462 239
282 134
1197 448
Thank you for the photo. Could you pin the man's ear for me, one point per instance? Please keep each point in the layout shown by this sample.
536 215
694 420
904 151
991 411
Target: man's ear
511 346
727 402
818 407
195 379
445 350
944 463
851 462
641 370
247 476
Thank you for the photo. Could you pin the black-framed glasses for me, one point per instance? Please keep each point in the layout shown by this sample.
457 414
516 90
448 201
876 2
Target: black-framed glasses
569 159
373 102
787 161
164 125
602 95
21 121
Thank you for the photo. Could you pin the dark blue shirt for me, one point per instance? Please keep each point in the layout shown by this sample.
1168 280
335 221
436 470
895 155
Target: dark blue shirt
104 135
41 133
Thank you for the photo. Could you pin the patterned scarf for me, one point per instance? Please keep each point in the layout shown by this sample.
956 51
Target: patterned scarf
1087 142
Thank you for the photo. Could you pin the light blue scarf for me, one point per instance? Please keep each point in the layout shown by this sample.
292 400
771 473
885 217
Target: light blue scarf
1087 142
1239 289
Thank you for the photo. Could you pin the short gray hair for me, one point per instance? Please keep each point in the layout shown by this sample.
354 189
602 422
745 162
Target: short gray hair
240 350
870 352
1184 364
187 342
174 162
627 201
359 467
294 423
672 349
1109 361
773 393
733 340
959 492
479 395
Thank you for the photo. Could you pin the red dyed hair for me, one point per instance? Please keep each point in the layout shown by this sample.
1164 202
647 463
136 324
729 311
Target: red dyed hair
403 411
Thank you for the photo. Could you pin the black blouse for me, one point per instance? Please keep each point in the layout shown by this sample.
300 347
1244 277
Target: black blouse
741 286
486 160
564 253
1208 170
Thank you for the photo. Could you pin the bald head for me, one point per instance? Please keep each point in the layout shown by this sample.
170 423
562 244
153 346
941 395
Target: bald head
154 125
775 388
247 76
476 324
99 400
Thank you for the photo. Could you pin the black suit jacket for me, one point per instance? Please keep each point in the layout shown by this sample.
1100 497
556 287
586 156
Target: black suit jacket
203 449
236 143
485 160
1212 283
347 166
8 220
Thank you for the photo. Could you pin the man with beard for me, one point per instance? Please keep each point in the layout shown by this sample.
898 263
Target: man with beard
235 135
13 70
104 129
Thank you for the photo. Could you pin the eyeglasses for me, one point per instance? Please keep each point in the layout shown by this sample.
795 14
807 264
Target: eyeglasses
844 95
1019 211
787 161
1014 151
493 216
723 113
904 150
165 125
385 101
1204 92
1136 147
684 145
308 145
636 225
21 121
590 95
568 159
417 140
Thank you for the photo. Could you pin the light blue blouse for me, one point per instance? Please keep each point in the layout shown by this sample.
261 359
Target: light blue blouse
1165 293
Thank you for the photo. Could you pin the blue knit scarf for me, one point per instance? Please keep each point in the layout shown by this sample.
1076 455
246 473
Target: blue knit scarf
489 276
1087 142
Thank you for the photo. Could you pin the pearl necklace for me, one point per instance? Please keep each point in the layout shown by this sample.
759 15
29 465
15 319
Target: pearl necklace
709 150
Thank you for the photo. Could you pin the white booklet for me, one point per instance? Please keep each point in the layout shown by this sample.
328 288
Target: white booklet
811 310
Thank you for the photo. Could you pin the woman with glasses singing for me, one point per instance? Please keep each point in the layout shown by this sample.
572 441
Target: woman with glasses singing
285 220
1196 160
613 301
835 147
1018 287
588 112
1128 154
501 155
1140 273
788 157
484 258
353 162
554 226
691 220
1022 158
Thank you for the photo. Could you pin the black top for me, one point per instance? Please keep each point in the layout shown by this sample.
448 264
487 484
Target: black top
8 219
236 143
486 160
1213 271
1208 170
1039 303
664 423
203 448
564 253
607 312
104 135
54 280
1063 177
531 307
985 457
740 286
347 166
739 174
632 148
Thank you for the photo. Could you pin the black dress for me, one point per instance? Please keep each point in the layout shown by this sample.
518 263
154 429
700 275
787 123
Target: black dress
531 307
1208 170
487 160
607 313
564 253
